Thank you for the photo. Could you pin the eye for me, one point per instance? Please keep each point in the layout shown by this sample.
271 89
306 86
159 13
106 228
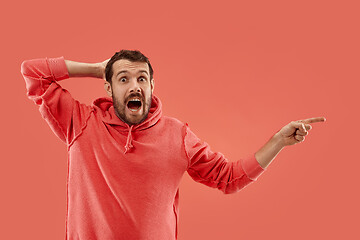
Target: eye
122 79
143 79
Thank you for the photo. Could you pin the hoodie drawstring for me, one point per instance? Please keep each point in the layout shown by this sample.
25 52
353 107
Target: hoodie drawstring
128 141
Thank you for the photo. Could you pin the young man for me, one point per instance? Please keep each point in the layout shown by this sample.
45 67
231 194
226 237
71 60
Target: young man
125 159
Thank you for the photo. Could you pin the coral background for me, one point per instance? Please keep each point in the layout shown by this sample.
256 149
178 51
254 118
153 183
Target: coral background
235 71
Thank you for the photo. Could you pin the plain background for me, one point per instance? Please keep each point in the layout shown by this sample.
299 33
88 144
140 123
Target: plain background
235 71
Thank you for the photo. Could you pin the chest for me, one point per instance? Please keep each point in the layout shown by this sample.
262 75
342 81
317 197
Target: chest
157 152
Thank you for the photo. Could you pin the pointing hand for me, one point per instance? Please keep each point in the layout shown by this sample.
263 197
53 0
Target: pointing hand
295 131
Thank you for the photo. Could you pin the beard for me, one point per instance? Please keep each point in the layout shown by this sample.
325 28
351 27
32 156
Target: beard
120 106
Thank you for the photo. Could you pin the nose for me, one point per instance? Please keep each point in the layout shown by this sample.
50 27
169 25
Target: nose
135 87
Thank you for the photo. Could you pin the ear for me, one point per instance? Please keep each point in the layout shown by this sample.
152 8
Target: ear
152 83
107 87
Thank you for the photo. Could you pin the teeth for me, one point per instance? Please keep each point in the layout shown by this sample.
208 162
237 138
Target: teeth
135 99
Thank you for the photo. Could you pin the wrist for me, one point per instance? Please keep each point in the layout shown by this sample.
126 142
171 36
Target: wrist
99 70
279 140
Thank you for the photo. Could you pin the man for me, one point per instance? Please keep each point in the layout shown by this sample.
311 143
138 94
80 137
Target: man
125 159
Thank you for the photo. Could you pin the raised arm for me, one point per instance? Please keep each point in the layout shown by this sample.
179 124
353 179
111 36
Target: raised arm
65 115
79 69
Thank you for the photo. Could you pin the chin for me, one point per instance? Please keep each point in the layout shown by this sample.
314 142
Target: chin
138 122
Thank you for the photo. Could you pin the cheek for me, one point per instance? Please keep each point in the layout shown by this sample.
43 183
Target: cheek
148 96
118 94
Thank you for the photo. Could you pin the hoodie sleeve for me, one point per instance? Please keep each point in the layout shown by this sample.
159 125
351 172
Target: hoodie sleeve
214 170
65 115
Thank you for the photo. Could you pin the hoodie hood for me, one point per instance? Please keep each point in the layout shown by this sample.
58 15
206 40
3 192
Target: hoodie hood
106 107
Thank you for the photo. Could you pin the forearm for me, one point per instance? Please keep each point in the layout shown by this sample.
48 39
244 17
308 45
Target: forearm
78 69
270 150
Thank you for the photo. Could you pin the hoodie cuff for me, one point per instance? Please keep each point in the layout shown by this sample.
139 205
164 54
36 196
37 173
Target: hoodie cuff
58 68
252 167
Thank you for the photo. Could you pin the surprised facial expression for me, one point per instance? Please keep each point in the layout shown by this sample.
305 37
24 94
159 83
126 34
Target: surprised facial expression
131 90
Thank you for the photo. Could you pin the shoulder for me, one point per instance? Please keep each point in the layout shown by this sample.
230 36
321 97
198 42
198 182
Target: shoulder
172 121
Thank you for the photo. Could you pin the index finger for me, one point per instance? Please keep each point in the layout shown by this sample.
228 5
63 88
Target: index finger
313 120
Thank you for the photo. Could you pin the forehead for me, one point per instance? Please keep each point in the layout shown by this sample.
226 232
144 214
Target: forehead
132 67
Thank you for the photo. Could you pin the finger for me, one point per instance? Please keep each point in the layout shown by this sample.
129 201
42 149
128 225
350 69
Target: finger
308 127
298 132
299 125
313 120
299 138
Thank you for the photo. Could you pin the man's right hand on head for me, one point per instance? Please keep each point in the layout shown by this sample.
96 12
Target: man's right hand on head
103 66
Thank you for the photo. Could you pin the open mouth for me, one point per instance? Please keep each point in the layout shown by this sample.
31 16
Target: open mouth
134 104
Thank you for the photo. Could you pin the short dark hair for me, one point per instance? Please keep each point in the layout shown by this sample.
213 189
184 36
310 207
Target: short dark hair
131 55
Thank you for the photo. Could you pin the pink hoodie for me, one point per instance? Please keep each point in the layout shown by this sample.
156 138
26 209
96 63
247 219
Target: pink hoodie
123 181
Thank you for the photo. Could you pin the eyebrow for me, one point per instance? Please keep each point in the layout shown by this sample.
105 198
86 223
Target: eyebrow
125 71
